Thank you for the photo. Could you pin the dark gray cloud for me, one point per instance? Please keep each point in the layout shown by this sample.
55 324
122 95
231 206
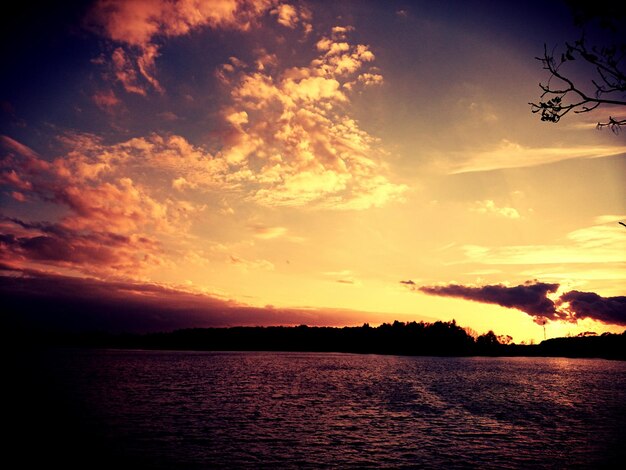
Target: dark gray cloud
529 297
532 299
31 299
590 305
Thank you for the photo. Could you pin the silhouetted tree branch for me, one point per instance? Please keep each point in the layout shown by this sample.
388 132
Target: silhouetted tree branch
608 85
602 59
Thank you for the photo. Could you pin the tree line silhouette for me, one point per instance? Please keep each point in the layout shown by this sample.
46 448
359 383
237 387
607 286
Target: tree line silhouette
411 338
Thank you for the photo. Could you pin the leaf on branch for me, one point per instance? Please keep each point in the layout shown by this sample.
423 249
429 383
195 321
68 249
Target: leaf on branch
608 82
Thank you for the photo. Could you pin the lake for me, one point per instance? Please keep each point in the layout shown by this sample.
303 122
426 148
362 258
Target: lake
163 409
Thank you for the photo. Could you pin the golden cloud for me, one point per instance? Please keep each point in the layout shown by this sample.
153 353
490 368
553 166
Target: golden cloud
513 155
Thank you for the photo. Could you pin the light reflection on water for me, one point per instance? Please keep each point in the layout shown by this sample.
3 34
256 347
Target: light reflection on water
198 410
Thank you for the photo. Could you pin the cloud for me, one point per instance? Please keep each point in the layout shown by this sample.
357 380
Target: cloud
489 207
287 139
132 68
40 301
150 187
18 196
340 32
612 272
292 140
168 116
111 186
120 205
344 272
125 71
88 251
532 298
595 244
15 147
109 216
529 298
343 277
9 177
608 219
138 22
267 233
135 25
371 79
581 305
513 155
247 264
106 100
146 63
287 15
290 16
589 120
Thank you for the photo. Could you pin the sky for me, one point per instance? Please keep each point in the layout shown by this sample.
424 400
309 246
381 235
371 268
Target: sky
169 164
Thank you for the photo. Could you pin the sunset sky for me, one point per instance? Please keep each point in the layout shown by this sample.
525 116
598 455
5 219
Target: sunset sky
260 162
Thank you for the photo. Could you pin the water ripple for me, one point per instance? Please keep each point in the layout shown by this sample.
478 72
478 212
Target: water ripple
311 410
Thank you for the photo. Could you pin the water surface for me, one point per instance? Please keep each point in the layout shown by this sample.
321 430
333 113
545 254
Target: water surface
309 410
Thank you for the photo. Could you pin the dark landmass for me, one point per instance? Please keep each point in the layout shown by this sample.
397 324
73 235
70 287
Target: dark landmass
414 339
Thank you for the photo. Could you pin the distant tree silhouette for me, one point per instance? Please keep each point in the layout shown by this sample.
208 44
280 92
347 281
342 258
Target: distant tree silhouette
471 332
412 338
587 333
487 343
564 91
504 339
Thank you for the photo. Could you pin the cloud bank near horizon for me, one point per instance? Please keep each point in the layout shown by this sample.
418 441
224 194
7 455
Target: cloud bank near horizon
532 299
33 300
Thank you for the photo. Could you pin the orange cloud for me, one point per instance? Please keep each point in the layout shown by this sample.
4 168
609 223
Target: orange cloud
18 196
108 216
121 205
89 252
371 79
125 73
267 233
135 24
287 15
289 140
147 67
313 89
290 16
11 178
106 100
292 137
